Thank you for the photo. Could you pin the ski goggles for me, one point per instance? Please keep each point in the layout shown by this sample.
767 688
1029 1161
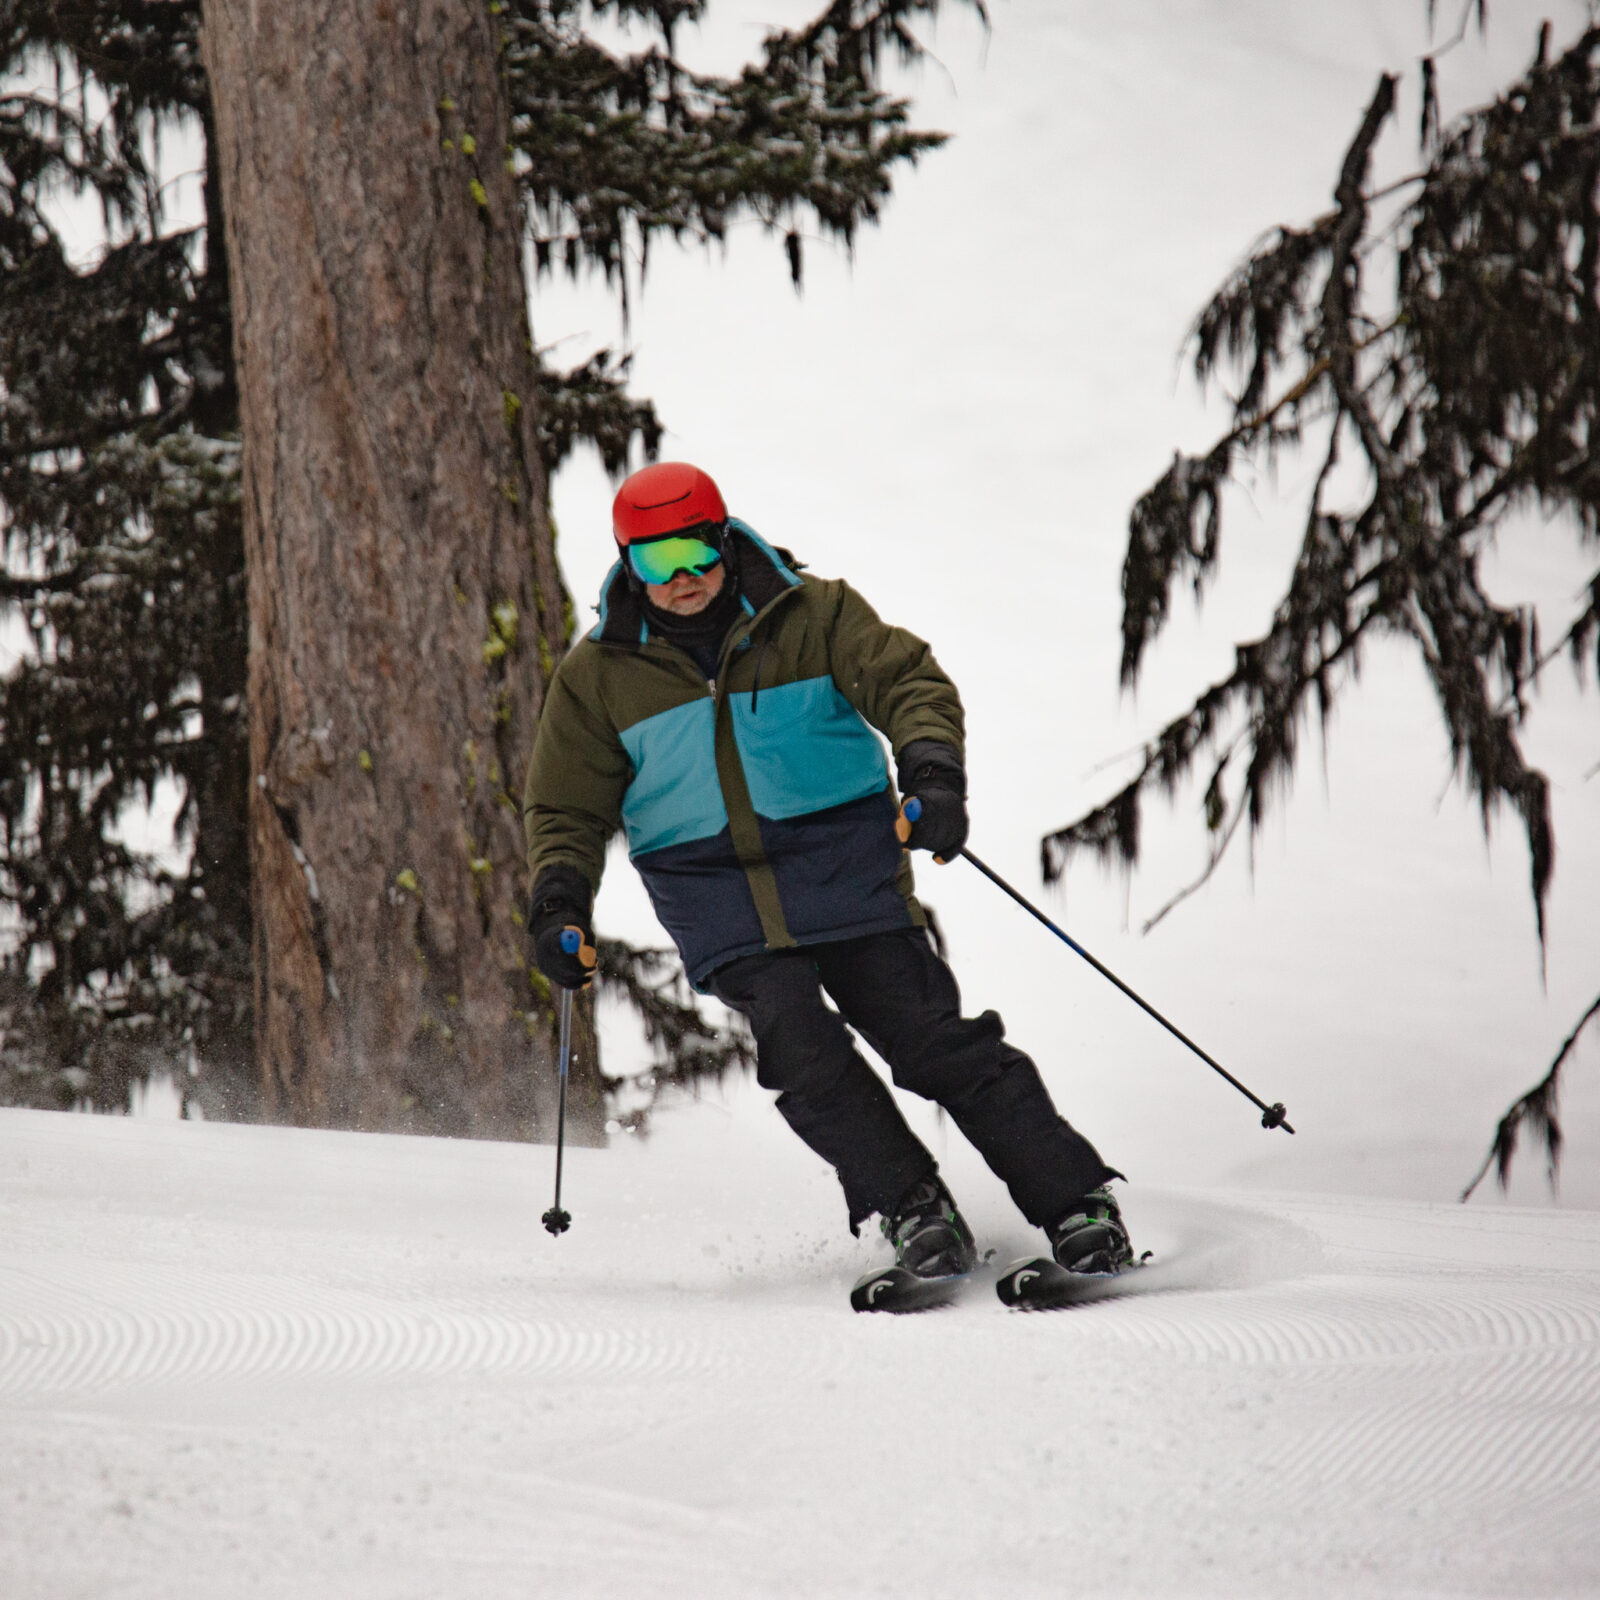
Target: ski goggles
660 560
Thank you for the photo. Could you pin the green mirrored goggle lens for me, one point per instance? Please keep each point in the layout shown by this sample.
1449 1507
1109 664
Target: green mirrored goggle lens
657 561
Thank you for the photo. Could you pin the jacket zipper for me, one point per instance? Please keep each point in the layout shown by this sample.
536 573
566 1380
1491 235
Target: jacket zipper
761 661
711 682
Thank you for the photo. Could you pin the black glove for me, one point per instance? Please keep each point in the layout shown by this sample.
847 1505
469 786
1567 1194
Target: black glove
932 773
560 901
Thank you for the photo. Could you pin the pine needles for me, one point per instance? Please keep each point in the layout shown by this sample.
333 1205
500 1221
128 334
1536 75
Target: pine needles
1475 393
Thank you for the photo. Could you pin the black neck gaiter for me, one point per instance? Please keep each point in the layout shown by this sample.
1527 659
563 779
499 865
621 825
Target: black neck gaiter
702 634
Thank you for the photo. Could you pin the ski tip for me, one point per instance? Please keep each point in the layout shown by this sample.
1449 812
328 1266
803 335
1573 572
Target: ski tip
895 1290
1015 1282
1038 1283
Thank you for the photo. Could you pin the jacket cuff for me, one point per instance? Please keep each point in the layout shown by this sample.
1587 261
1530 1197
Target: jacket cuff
923 759
562 886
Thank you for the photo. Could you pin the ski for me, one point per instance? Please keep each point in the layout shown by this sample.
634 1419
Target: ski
895 1290
1037 1283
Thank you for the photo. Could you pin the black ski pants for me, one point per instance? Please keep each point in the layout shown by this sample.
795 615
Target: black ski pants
897 993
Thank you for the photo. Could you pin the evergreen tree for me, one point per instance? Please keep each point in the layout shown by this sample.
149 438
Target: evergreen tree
120 473
119 499
1467 385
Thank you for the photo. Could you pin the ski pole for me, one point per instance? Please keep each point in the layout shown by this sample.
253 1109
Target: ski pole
556 1220
1273 1116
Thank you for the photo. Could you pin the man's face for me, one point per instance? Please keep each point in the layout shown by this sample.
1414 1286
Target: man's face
688 592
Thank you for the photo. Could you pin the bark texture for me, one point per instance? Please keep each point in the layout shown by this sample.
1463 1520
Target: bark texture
405 607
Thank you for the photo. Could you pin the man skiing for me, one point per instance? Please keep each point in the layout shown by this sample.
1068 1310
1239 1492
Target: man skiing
721 712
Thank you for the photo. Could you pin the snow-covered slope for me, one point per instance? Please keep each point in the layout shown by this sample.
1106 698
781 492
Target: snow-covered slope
244 1361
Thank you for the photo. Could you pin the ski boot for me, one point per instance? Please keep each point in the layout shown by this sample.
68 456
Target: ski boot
933 1252
1092 1236
931 1238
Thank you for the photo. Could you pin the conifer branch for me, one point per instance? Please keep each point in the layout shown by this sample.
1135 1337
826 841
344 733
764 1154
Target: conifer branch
1538 1110
1218 850
590 404
1477 396
689 1047
620 146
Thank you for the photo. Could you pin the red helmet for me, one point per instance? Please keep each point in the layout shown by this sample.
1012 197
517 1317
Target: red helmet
666 498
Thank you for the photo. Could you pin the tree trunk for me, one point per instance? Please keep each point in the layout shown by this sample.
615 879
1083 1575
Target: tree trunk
405 608
218 781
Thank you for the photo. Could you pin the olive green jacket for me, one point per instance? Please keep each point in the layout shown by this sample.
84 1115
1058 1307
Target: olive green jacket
758 806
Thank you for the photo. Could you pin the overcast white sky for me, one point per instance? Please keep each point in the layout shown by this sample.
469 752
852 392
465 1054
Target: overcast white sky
958 420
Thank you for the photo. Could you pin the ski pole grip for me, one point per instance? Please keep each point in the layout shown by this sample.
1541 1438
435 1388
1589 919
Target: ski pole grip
910 811
572 941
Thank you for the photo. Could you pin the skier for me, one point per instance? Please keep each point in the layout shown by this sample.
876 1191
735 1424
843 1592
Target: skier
721 712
